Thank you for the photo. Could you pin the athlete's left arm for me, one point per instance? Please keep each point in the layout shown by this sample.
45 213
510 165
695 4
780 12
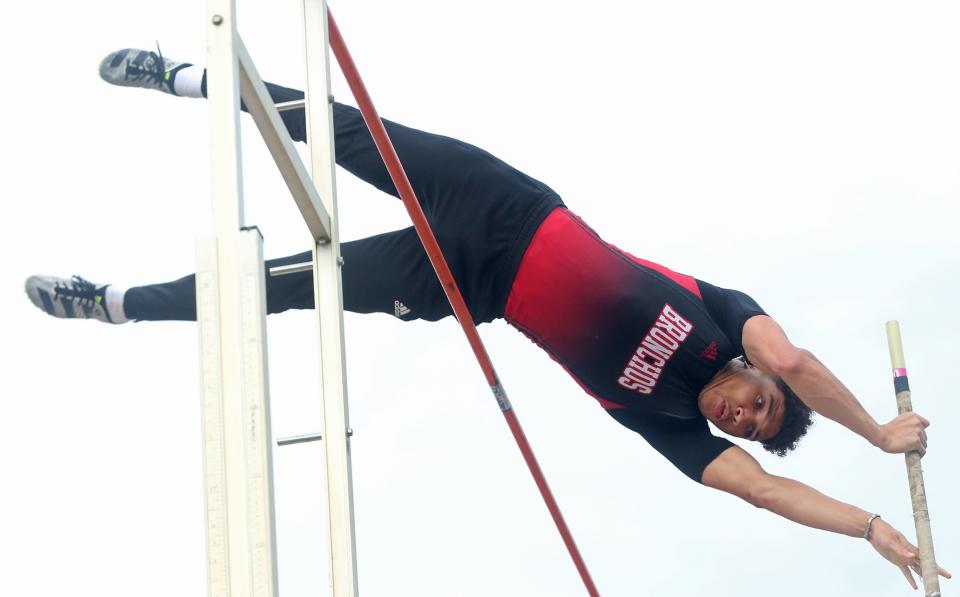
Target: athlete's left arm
767 347
736 472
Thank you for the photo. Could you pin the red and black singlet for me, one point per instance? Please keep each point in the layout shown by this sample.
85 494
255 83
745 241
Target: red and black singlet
641 339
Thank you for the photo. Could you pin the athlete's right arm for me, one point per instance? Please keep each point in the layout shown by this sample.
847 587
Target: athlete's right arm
738 473
769 349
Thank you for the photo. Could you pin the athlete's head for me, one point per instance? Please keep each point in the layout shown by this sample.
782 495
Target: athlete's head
797 418
745 402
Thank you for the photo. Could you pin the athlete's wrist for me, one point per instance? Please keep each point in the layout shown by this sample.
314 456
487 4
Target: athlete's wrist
875 434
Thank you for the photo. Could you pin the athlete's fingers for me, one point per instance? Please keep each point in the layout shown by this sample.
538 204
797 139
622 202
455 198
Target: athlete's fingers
906 573
940 570
919 447
923 439
923 422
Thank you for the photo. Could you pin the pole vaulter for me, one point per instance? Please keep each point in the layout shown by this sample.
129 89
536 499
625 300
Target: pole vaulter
462 313
663 353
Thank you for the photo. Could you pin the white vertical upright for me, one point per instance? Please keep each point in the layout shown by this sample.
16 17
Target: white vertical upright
231 312
329 304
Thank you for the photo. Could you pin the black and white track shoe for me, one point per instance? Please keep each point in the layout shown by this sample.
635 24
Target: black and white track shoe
140 68
75 298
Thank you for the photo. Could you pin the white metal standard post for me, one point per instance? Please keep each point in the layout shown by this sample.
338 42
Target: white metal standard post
231 300
231 311
329 305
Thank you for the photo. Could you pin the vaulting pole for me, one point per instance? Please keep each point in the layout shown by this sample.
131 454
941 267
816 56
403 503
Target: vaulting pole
928 564
392 161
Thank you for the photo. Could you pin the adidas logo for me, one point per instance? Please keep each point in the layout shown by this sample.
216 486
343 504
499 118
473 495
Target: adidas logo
399 309
710 352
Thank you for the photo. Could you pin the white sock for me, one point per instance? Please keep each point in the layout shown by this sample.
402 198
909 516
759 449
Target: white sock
113 297
187 81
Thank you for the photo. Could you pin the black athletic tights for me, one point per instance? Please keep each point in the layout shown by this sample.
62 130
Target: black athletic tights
483 213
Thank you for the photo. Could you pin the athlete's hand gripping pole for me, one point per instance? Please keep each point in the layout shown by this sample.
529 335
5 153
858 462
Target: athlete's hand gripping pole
928 566
392 161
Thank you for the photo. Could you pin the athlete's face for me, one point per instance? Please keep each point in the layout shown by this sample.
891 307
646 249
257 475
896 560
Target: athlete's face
744 402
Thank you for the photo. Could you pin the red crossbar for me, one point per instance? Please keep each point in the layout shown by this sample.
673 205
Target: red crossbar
389 155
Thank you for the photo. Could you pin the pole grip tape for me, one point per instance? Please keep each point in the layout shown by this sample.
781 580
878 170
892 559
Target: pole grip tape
900 383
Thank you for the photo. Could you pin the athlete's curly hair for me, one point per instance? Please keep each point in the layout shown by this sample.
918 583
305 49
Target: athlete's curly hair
797 419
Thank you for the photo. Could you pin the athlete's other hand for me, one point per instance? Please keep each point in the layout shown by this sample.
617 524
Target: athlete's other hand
892 545
904 434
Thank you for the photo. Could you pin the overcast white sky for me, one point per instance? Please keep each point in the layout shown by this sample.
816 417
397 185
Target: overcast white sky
806 153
